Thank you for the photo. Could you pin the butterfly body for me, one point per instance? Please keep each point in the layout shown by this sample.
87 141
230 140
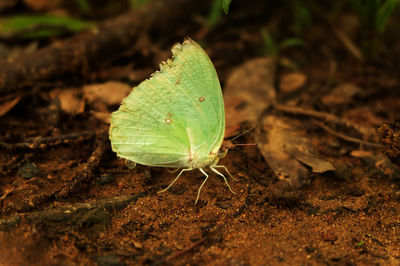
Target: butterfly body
176 117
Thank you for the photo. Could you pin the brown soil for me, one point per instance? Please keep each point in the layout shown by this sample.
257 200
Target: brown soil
68 200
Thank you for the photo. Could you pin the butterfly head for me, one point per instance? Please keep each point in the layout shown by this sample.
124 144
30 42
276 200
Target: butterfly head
222 152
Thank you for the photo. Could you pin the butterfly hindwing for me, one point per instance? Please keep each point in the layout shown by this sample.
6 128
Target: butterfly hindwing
175 113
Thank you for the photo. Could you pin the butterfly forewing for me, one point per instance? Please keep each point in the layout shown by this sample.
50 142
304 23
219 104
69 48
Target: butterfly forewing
175 114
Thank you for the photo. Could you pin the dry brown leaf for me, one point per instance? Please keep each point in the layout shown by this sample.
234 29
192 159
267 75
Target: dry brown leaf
317 164
102 116
6 106
363 115
109 93
284 143
71 100
360 153
341 94
248 91
292 82
384 164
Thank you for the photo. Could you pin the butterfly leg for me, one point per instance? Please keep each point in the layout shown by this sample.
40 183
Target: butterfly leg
226 169
176 178
202 184
173 171
218 173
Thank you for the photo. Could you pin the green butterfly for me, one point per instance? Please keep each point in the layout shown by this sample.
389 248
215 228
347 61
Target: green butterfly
175 118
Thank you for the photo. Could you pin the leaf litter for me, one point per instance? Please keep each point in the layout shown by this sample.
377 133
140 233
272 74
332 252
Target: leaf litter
348 216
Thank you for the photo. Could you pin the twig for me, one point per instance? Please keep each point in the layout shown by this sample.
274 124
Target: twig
350 139
90 50
43 142
186 250
321 115
349 44
68 212
348 209
86 171
196 244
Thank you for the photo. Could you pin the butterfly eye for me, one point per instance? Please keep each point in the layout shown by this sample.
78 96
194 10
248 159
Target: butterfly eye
222 152
130 164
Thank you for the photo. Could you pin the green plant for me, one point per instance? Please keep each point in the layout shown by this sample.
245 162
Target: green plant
215 13
374 14
83 5
274 47
225 6
40 26
359 244
137 3
301 15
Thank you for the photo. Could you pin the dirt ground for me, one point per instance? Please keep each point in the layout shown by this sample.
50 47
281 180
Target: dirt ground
318 183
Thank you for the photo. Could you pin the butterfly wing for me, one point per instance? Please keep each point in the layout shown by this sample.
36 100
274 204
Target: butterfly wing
174 115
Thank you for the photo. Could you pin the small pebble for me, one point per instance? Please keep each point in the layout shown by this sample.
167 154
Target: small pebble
105 179
28 170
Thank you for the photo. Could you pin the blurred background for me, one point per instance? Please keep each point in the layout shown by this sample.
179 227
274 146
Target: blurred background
318 176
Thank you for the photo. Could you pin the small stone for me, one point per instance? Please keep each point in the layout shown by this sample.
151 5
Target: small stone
28 170
223 205
137 245
109 260
329 236
105 179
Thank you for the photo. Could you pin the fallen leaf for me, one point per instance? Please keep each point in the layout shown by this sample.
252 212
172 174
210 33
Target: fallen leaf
317 164
384 165
286 147
109 93
390 136
292 82
342 94
363 115
102 116
71 101
6 106
360 153
248 91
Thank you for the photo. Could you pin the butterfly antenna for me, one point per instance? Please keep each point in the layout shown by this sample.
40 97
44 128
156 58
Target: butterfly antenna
244 144
244 132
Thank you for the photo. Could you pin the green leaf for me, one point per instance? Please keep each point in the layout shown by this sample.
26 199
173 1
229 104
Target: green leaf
41 26
83 5
289 42
215 14
270 45
137 3
359 244
384 14
225 6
